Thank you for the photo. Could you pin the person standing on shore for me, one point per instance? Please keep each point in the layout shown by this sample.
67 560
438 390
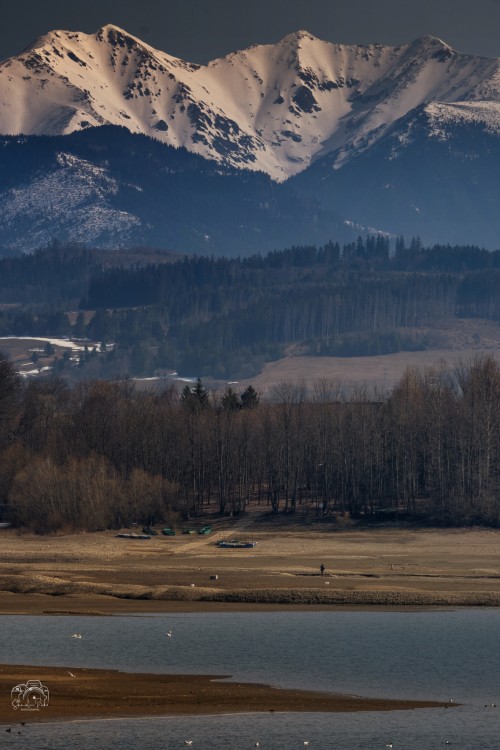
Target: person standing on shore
322 569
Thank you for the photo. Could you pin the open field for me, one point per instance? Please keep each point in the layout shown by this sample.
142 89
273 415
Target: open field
380 372
461 340
389 566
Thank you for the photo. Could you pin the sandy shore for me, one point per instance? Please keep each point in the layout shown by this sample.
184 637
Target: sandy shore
93 693
384 567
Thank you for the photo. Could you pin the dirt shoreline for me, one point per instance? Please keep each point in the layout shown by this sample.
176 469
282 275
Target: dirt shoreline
100 574
388 567
87 605
95 693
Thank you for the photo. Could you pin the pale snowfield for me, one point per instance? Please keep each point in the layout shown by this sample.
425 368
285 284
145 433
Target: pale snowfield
63 343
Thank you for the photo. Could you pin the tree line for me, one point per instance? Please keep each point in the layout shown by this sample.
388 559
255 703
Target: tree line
103 454
226 318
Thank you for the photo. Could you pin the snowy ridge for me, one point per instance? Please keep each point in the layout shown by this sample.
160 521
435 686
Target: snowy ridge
274 108
70 201
442 117
436 121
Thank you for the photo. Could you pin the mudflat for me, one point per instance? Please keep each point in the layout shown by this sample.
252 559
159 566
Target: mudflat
97 693
388 566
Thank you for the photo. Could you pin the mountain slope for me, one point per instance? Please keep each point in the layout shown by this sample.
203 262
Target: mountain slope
109 141
433 174
273 108
106 187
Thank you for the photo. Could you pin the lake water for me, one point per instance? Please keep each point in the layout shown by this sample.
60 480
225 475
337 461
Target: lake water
442 655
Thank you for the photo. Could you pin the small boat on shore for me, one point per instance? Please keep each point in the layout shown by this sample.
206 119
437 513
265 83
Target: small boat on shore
133 536
235 544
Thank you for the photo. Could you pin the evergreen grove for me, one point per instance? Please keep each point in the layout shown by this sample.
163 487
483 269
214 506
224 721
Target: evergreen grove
226 318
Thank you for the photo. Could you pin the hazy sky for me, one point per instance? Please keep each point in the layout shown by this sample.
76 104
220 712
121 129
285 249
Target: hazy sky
199 30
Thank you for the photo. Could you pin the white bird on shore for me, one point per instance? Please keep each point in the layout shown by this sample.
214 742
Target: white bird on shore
257 744
188 742
169 634
76 635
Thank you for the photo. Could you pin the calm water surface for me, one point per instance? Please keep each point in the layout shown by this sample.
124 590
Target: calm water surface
443 655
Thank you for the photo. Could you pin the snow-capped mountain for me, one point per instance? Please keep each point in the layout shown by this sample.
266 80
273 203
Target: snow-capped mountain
271 108
433 173
402 140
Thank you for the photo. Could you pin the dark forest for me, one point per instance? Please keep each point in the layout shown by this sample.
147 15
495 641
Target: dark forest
225 318
103 455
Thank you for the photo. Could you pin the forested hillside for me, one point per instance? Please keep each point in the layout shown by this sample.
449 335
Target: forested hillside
225 317
112 188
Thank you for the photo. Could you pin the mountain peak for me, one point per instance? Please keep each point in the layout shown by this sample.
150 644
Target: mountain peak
431 39
109 33
272 107
297 37
111 27
431 42
113 34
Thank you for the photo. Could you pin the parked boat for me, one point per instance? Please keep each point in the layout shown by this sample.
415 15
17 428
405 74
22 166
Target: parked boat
235 544
134 536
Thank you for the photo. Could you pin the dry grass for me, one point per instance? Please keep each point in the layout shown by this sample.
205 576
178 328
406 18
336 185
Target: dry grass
385 567
462 340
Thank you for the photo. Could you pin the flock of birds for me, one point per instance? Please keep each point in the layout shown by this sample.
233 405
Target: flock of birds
169 634
305 743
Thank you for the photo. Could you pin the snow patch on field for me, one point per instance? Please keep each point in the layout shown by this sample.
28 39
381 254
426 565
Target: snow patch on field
63 343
